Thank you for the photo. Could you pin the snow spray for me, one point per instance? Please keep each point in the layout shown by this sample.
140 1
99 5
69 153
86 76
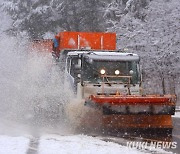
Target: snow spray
31 86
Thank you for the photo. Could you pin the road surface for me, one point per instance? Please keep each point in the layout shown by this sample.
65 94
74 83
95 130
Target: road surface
17 140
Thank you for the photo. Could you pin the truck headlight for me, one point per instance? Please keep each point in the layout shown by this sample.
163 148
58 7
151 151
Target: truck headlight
131 72
102 71
117 72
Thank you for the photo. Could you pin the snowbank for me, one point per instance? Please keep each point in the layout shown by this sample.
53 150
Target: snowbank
13 145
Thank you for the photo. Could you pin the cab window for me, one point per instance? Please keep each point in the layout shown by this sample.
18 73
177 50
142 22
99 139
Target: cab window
74 61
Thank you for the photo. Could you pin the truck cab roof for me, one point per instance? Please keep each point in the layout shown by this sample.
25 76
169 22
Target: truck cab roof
106 55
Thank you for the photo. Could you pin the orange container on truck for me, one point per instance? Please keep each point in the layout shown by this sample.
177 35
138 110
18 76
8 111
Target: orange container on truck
85 40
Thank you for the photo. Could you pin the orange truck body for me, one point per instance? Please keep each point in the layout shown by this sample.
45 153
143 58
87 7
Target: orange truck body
42 45
87 40
78 40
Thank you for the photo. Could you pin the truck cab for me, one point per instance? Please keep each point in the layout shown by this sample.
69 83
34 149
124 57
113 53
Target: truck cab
103 72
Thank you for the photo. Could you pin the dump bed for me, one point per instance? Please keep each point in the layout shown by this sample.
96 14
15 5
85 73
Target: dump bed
87 40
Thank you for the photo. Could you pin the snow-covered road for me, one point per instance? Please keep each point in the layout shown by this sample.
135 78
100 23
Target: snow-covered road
58 144
55 144
79 144
26 139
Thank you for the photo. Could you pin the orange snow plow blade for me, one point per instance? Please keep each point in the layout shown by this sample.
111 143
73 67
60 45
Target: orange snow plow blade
133 104
119 111
134 99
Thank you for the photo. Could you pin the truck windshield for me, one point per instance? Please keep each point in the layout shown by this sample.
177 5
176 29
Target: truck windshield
116 71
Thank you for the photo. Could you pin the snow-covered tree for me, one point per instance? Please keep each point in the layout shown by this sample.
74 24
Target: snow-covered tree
118 8
40 16
156 40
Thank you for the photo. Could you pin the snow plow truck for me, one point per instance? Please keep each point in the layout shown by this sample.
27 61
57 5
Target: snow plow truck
110 81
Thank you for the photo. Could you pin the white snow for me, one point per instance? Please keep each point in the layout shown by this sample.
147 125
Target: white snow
72 144
13 145
177 115
80 144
